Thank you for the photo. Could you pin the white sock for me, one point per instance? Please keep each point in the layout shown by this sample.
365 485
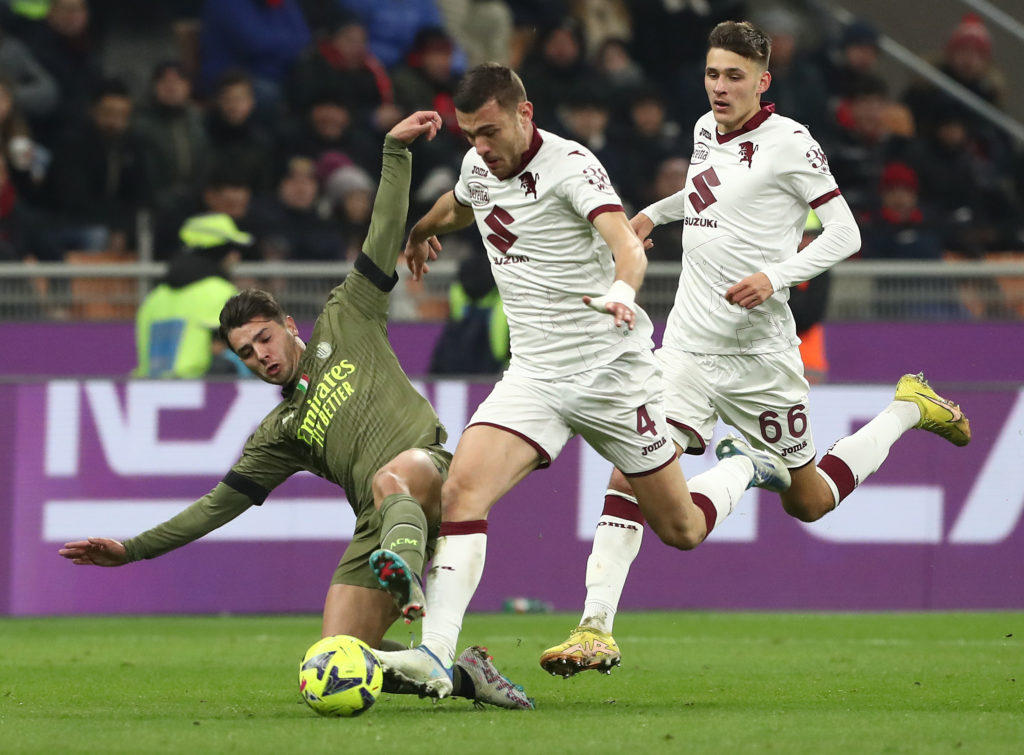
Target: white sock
616 544
454 575
863 452
722 485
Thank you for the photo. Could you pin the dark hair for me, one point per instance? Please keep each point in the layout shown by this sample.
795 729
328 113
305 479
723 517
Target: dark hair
246 305
486 82
233 76
742 38
111 87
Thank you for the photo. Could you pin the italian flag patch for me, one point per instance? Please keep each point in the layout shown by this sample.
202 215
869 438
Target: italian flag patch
303 383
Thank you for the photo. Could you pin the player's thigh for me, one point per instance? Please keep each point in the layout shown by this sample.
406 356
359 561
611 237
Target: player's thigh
618 409
359 612
488 462
689 398
766 399
515 430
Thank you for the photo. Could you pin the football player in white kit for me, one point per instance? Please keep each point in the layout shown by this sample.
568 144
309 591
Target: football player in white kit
567 264
730 348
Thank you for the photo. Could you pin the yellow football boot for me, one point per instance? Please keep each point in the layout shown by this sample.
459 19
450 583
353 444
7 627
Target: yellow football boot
585 649
938 415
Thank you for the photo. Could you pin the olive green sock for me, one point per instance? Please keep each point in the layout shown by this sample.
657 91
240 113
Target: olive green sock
404 529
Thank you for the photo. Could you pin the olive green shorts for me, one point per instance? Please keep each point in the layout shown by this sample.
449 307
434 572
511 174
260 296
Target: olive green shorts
354 567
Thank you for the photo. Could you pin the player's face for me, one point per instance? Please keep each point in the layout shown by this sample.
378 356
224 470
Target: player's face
734 85
268 348
500 137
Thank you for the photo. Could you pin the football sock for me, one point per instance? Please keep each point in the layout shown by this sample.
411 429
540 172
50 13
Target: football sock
717 490
853 459
616 544
404 529
454 575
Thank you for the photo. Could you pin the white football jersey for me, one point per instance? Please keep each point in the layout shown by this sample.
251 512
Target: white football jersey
545 253
743 208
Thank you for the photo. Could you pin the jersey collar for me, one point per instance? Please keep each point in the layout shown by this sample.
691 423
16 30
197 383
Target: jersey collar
767 108
532 150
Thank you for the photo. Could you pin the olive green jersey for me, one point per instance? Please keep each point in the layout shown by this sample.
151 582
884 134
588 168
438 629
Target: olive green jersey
351 410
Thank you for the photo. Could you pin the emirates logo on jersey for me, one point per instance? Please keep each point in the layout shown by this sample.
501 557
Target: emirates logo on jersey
747 150
528 183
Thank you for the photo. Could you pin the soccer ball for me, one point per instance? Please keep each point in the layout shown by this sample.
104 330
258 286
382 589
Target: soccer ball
340 676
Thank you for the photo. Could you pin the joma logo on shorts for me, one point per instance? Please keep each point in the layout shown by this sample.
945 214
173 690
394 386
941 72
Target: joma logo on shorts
654 446
793 449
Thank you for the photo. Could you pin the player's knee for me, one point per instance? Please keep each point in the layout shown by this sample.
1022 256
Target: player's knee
684 536
388 481
807 509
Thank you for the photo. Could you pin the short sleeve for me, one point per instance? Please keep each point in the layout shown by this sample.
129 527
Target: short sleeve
803 169
586 186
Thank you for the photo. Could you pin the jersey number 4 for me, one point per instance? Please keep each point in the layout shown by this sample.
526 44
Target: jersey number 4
703 197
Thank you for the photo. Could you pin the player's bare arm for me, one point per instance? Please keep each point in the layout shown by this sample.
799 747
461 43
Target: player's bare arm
642 227
445 216
630 266
96 551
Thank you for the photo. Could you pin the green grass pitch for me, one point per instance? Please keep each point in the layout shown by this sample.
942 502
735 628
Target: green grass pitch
690 682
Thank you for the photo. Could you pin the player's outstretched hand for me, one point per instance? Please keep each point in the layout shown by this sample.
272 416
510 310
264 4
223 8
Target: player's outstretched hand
619 302
417 255
642 227
96 551
750 292
421 122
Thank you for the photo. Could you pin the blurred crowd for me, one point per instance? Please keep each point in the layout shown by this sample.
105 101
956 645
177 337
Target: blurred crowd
273 111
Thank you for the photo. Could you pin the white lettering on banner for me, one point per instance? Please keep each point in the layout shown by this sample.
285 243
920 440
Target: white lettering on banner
279 519
129 435
996 500
62 428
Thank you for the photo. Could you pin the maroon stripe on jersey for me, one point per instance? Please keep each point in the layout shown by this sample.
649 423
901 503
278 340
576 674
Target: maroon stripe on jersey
474 527
545 460
824 198
695 435
602 210
767 108
651 471
839 473
459 201
704 503
617 506
530 152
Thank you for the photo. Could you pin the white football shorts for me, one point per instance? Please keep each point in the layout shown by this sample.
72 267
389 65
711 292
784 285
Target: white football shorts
764 396
617 408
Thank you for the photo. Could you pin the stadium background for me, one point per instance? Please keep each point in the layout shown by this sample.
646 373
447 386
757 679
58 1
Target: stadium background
83 451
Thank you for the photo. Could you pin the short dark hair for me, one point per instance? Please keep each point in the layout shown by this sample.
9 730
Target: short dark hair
486 82
246 305
742 38
232 77
111 87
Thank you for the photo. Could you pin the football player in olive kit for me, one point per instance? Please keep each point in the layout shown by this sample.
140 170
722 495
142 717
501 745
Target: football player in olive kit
350 415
